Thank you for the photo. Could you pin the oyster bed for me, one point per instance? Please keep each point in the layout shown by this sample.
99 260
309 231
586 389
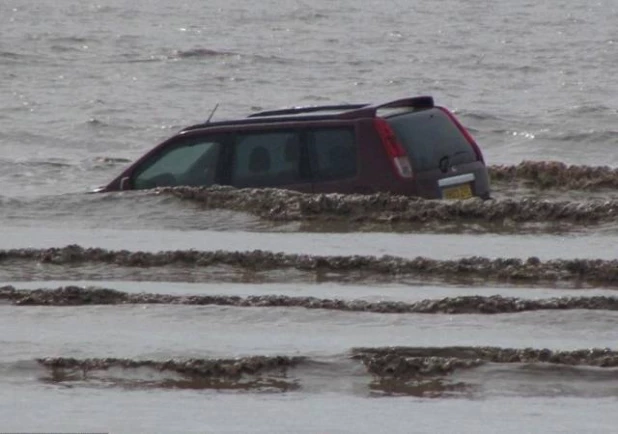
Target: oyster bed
555 174
383 208
594 271
82 296
388 362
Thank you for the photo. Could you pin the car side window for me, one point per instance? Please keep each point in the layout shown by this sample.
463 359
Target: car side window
333 153
190 162
264 159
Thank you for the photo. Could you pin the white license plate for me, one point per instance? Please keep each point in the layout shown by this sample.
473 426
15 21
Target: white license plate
457 192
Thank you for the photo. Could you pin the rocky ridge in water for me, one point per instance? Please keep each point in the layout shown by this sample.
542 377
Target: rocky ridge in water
555 174
383 208
200 367
79 296
411 361
595 271
389 362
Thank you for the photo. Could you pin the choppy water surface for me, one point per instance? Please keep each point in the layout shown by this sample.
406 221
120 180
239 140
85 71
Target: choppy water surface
264 311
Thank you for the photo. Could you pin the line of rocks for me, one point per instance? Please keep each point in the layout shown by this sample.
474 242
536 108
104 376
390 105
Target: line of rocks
387 362
424 361
79 296
380 208
600 357
555 174
252 366
223 368
504 269
410 367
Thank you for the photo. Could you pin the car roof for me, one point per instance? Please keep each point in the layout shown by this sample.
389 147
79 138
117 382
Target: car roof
323 112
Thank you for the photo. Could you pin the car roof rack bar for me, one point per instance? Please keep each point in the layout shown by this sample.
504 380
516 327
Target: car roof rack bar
309 109
415 102
371 110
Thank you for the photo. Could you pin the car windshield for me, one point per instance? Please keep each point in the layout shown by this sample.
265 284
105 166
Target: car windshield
182 162
431 139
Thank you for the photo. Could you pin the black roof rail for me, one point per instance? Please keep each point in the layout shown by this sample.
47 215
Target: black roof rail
308 109
346 111
371 110
414 102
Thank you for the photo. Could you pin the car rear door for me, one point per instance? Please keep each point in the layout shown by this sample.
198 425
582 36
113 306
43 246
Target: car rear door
446 164
334 158
269 157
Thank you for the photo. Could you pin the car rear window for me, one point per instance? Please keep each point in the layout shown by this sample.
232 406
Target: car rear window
333 153
429 136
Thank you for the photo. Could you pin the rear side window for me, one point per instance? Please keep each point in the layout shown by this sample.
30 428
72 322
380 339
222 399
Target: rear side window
263 159
333 153
429 136
188 162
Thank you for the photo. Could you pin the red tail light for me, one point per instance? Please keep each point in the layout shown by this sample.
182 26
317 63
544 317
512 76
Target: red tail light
466 134
395 151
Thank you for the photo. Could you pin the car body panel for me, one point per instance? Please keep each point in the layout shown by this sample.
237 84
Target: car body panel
450 177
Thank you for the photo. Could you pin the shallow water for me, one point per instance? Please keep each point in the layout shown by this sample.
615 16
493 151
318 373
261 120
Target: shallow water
197 411
86 88
406 245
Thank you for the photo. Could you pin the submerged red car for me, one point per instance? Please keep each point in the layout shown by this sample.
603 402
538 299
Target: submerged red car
408 146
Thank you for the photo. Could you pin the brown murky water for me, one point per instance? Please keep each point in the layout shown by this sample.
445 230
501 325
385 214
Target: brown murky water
265 311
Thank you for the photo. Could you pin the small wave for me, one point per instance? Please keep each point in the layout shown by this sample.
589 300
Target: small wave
477 115
137 58
307 16
66 48
79 296
10 55
50 163
195 53
104 163
591 109
111 160
608 137
94 122
513 270
9 202
199 53
70 40
29 59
